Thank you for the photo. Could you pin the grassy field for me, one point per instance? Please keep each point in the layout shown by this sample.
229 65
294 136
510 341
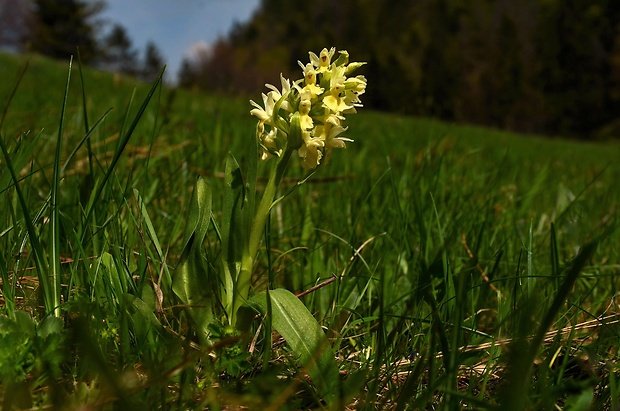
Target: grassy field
469 268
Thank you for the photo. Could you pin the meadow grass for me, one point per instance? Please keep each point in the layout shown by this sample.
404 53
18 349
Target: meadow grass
461 267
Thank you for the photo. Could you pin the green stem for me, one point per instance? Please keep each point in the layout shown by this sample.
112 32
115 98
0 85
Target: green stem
256 232
266 201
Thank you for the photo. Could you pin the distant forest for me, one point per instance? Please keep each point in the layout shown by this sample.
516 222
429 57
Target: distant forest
57 28
536 66
539 66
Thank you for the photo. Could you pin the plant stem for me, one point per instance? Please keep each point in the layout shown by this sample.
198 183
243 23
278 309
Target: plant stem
262 212
256 232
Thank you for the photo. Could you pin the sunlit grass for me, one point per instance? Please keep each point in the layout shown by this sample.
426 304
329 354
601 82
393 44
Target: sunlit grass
470 267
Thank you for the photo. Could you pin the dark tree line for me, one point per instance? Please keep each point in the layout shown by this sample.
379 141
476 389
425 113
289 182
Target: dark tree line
57 28
548 66
15 22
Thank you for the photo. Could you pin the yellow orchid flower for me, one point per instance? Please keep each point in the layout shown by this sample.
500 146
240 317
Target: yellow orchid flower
356 84
305 120
265 115
337 85
310 152
329 133
334 100
317 104
310 80
286 88
323 60
269 145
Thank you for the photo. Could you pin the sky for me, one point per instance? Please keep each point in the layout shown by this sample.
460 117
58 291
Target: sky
175 26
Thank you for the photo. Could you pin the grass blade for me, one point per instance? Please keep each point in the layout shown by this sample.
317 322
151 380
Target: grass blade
37 248
119 151
523 352
153 235
54 241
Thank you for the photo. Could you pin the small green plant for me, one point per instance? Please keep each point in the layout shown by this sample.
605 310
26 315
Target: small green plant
305 117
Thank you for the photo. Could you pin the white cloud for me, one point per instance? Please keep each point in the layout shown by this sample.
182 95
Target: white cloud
199 52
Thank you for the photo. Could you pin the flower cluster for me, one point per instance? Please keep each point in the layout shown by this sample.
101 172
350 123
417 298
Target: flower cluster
308 115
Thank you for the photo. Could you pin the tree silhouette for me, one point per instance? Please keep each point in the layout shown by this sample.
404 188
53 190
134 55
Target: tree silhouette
535 65
61 26
153 62
118 53
16 18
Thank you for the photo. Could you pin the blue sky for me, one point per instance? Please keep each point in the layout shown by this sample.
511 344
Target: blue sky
175 25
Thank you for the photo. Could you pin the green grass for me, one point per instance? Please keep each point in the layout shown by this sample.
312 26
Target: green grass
473 268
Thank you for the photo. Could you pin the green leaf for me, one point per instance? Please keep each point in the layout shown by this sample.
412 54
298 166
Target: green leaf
24 323
199 214
304 335
232 211
145 323
191 280
581 401
112 276
49 325
146 220
233 240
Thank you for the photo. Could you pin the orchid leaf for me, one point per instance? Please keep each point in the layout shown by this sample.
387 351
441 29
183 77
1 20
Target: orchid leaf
304 335
192 282
232 231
